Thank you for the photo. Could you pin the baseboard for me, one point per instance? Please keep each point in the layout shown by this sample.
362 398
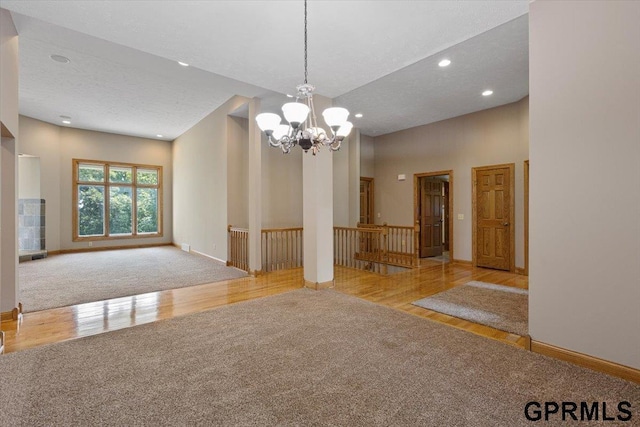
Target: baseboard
462 261
318 286
1 342
208 256
594 363
255 273
521 271
107 248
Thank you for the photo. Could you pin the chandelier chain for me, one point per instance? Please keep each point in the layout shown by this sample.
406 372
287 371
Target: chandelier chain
305 42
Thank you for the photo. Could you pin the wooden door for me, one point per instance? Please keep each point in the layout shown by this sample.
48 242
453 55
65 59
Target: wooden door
366 201
430 216
493 217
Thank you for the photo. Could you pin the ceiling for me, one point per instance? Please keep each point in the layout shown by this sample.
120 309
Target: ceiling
378 58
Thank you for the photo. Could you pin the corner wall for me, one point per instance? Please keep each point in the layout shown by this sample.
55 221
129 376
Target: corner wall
585 178
9 150
494 136
238 172
200 188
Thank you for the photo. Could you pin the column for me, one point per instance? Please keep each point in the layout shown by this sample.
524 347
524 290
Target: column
255 189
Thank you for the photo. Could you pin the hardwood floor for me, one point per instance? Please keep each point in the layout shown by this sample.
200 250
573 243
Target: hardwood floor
396 291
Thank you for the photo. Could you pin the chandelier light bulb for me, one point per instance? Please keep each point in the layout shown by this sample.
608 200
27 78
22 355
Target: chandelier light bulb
280 131
268 121
345 129
295 113
335 116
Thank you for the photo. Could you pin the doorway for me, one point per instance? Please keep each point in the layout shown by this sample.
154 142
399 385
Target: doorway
366 201
433 214
494 217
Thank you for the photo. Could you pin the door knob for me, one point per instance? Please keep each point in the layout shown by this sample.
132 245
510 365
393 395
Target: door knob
506 224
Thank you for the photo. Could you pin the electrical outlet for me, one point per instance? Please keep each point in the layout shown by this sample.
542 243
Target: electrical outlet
90 244
214 246
460 217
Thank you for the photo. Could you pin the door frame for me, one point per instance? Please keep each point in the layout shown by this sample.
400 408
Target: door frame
416 219
526 217
371 198
512 213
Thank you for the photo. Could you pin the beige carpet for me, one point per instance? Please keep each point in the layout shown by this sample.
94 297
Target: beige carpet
501 307
69 279
300 358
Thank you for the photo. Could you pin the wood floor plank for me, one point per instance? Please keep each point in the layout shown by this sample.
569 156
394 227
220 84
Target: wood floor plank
396 291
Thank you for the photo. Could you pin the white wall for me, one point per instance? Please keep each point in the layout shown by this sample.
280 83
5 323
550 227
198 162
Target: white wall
367 156
341 184
281 187
238 172
200 183
8 73
489 137
353 146
28 177
58 146
585 178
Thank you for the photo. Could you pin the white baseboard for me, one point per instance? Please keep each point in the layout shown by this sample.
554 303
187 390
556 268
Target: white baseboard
208 256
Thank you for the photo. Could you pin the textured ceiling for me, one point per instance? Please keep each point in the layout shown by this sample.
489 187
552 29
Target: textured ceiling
377 57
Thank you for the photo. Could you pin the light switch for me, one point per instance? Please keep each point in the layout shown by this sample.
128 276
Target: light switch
460 217
402 177
378 214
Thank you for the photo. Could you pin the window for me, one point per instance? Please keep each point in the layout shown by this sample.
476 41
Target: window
116 200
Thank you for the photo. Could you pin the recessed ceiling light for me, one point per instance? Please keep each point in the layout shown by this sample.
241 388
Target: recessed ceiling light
159 136
289 96
444 63
60 58
487 92
184 64
65 117
358 115
66 122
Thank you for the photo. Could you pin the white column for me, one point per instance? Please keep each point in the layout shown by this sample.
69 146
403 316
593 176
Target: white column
255 189
317 199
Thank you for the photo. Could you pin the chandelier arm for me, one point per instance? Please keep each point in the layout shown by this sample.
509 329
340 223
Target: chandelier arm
336 145
274 142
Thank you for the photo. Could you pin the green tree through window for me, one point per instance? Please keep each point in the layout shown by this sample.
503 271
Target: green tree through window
125 197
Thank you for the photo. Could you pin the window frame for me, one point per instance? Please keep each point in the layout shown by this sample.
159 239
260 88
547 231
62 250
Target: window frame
76 183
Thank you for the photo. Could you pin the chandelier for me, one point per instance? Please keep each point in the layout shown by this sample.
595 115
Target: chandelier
303 129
